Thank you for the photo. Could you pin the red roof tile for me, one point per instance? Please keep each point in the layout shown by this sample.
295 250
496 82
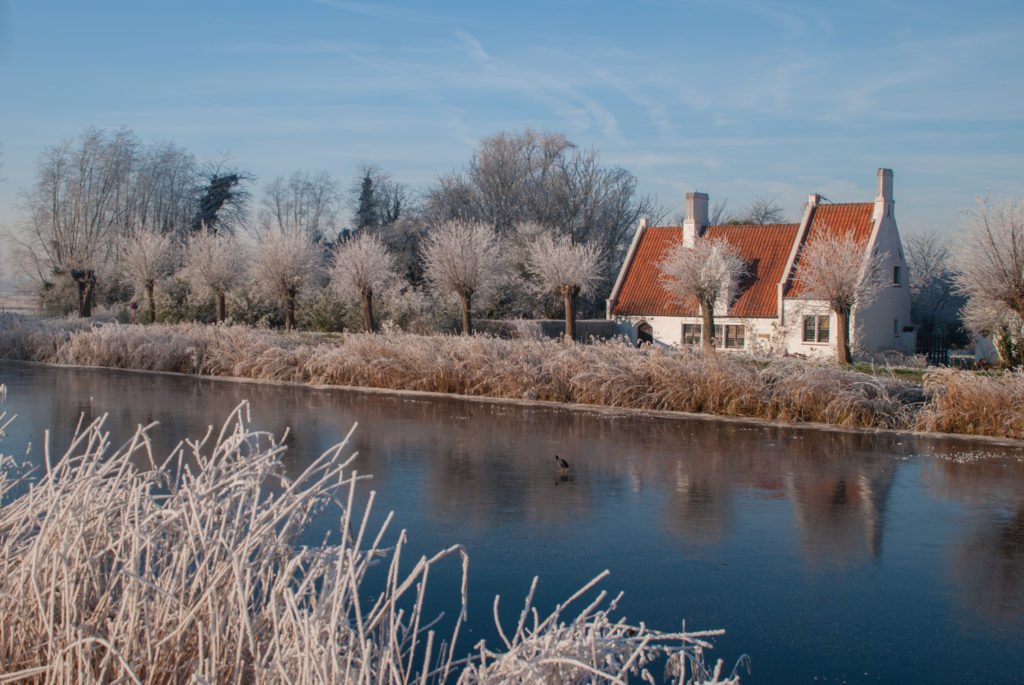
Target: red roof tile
765 249
853 217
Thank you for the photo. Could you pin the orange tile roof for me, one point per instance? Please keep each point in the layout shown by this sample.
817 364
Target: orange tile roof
765 249
853 217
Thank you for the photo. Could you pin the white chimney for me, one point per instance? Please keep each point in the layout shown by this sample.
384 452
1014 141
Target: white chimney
696 217
884 201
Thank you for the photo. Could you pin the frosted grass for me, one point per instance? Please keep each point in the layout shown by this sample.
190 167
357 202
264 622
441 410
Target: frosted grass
610 374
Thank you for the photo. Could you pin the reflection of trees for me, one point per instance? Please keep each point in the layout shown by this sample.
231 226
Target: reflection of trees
989 567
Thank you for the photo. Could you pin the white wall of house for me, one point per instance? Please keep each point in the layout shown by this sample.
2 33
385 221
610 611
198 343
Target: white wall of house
885 323
792 331
758 334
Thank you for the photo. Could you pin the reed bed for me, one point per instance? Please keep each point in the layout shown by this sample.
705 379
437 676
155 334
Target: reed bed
611 374
119 567
974 403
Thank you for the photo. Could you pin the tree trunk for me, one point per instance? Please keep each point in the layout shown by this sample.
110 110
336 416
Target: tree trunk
707 332
289 310
219 299
569 293
843 337
467 323
86 281
151 301
368 322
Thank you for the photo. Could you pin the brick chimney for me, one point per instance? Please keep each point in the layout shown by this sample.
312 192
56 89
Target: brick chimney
696 217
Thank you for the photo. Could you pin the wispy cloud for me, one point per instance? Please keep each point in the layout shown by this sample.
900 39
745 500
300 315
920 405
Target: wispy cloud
476 50
386 11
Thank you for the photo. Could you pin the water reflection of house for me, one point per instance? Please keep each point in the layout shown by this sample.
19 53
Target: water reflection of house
840 508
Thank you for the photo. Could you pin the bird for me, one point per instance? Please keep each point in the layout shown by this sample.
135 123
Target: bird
563 465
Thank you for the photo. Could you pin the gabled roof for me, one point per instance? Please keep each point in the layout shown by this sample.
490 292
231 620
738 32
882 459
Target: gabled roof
765 249
851 218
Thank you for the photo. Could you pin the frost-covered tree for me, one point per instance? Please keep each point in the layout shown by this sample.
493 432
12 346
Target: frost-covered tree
570 270
362 266
284 266
214 265
462 259
75 207
309 200
934 303
989 263
709 272
517 177
838 269
995 320
146 258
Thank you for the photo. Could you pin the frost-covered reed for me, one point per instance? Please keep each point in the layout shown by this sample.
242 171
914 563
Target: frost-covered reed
119 567
611 374
974 403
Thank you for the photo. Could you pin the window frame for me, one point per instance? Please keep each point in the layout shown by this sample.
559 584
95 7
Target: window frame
822 329
725 335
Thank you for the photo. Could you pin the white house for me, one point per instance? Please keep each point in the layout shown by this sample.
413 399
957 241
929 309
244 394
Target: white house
770 312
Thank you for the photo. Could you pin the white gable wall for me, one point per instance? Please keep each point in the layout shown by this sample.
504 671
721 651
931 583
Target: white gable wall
880 326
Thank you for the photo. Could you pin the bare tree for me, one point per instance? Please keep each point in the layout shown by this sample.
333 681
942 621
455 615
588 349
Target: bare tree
285 265
762 210
214 265
376 200
543 178
74 209
462 259
146 258
710 272
989 263
362 266
567 269
162 193
303 199
838 269
934 304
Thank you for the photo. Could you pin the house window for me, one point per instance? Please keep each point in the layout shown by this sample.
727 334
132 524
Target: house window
733 335
816 328
895 328
896 275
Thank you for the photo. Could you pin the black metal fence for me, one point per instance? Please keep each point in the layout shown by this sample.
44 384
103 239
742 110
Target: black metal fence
935 348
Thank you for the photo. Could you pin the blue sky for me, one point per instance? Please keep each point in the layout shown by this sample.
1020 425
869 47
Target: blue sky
732 97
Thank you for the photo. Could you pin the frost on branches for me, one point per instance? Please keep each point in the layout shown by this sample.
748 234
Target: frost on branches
709 272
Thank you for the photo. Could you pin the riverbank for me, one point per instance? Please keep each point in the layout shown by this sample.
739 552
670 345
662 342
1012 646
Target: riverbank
607 374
